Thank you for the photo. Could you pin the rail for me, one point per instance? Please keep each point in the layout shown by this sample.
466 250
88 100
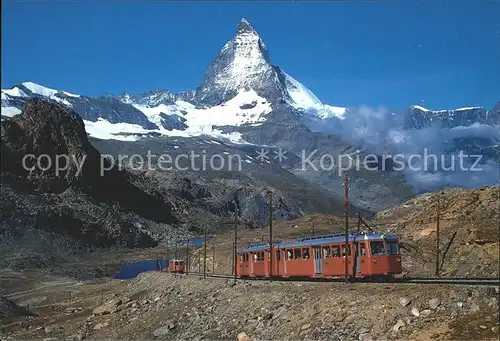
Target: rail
409 280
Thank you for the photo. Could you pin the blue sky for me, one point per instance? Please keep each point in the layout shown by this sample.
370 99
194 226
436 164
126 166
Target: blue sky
441 55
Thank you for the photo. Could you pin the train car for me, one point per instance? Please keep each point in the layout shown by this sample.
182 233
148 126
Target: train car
175 265
367 256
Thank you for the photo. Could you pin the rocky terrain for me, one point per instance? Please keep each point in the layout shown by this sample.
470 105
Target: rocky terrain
163 306
469 222
158 305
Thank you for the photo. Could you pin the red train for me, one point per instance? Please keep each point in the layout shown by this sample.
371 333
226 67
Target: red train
368 256
175 266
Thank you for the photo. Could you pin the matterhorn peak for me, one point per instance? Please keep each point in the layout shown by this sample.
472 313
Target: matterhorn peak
245 27
243 63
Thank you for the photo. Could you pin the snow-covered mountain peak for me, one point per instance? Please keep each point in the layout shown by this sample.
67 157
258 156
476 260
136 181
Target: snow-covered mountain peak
242 64
245 26
44 91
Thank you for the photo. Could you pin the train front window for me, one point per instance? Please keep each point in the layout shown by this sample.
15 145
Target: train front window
377 248
393 247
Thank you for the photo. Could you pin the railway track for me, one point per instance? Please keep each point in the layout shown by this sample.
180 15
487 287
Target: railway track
411 280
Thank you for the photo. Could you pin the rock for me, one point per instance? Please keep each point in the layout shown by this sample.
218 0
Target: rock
242 336
109 307
49 329
364 330
460 304
474 308
404 301
400 324
161 331
364 335
415 312
434 303
169 325
305 326
80 335
483 327
100 325
268 316
425 313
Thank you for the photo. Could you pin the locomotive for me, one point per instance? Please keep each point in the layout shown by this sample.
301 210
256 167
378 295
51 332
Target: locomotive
371 255
175 265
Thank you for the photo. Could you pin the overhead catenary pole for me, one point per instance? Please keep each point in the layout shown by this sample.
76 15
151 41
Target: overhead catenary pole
186 270
175 254
270 234
213 259
314 228
205 254
233 261
359 222
437 237
346 217
235 243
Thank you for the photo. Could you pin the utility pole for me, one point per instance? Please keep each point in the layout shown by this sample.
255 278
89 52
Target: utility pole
187 256
270 234
235 243
213 259
437 237
359 222
346 216
205 255
233 262
175 255
314 227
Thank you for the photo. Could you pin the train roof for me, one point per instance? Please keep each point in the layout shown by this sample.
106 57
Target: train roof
319 240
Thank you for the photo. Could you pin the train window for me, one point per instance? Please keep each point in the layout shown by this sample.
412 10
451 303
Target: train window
305 253
242 258
326 252
362 249
289 254
344 250
261 256
296 254
393 247
335 251
377 248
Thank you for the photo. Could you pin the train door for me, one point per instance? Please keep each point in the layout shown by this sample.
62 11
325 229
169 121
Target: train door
358 261
277 262
250 263
287 255
318 260
361 262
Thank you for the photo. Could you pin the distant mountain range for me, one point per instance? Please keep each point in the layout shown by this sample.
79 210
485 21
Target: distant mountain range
246 100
